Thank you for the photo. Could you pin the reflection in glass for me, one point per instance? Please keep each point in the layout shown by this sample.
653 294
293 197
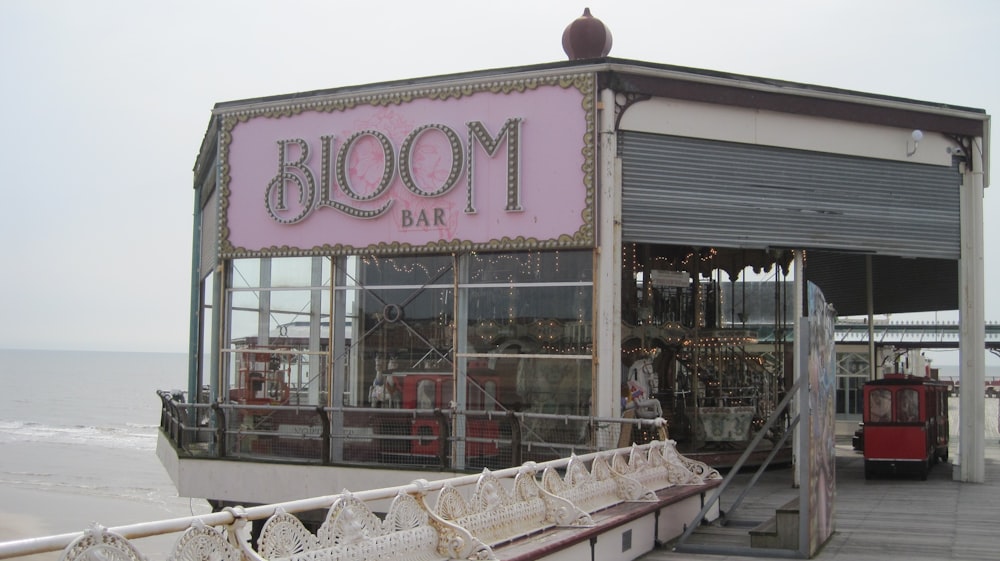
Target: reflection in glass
909 406
880 406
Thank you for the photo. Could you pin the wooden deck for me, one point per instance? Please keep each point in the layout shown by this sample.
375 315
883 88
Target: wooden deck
884 518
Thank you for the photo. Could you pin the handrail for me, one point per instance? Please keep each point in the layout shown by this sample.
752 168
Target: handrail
30 546
225 437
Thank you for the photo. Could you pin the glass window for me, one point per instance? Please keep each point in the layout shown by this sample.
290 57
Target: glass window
531 267
490 389
277 330
850 395
245 273
402 311
526 324
880 406
207 343
908 400
545 320
852 373
292 272
529 331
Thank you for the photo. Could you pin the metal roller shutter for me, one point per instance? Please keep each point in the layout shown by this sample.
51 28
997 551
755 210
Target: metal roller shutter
697 192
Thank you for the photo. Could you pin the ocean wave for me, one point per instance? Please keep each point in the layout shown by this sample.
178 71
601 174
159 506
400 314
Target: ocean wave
48 483
131 436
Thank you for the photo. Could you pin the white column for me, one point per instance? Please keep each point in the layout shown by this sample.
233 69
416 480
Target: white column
972 323
607 303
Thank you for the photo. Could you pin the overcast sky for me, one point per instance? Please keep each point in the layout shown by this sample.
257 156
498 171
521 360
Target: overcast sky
104 105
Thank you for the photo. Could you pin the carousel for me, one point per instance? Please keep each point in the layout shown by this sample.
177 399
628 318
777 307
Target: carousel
706 343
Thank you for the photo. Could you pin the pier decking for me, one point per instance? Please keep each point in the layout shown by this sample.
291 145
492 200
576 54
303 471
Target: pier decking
879 519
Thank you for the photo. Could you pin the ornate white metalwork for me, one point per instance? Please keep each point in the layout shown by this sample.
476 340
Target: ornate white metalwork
497 511
495 515
353 522
204 543
652 470
593 490
668 448
660 466
100 544
284 535
352 532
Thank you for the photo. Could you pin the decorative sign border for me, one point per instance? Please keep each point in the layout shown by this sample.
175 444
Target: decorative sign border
583 237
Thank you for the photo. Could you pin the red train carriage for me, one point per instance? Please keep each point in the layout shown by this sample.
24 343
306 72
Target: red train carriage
433 390
261 380
906 424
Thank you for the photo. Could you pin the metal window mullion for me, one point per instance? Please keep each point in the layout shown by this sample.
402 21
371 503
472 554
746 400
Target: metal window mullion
264 318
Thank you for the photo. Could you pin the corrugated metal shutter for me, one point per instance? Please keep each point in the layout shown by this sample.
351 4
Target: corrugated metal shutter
699 192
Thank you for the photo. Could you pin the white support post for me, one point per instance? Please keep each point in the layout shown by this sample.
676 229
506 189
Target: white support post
972 324
607 304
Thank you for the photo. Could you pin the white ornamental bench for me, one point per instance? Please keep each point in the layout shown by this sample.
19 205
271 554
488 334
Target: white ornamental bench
660 466
578 514
648 497
352 532
595 489
642 497
495 516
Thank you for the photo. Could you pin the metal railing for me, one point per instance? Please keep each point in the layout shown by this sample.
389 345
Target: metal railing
405 438
233 515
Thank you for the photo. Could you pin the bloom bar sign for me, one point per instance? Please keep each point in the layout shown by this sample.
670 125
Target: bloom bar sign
500 165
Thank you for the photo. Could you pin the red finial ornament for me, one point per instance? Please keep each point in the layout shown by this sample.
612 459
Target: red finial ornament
586 37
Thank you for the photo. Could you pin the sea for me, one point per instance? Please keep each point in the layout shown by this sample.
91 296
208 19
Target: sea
78 437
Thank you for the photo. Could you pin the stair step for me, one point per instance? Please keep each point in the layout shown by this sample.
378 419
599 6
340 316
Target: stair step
768 527
780 531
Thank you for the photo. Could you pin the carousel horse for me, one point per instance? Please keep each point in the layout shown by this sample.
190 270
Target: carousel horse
384 392
642 384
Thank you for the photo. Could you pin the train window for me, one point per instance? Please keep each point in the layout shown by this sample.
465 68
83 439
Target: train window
880 406
909 406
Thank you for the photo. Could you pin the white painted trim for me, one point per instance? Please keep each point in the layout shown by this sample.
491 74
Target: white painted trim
768 128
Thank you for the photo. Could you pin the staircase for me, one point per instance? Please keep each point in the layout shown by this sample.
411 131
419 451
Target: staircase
781 531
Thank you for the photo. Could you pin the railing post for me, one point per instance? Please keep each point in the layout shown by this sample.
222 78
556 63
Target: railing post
444 434
164 415
220 430
325 438
176 426
515 439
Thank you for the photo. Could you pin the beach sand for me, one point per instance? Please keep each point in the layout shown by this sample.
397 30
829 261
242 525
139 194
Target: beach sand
53 513
48 489
20 526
